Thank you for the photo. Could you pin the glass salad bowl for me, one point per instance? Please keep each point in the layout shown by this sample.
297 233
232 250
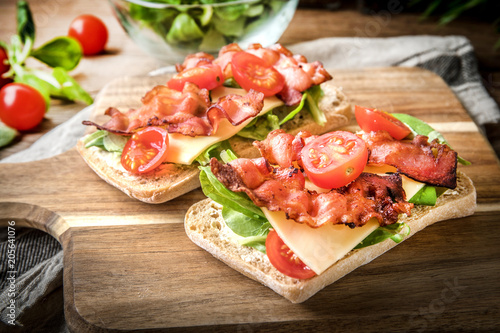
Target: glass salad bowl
171 29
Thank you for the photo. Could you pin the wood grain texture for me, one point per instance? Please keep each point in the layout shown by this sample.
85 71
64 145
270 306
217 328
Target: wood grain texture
130 266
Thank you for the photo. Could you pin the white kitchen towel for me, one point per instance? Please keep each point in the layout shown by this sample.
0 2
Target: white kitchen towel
450 57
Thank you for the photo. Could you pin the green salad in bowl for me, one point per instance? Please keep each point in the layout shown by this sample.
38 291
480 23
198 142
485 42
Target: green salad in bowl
172 29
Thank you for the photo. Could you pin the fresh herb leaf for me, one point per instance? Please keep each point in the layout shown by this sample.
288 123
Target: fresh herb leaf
419 127
25 24
70 88
7 135
64 52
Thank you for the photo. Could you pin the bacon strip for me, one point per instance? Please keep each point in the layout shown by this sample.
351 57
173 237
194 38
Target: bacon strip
431 163
189 112
283 189
298 73
281 148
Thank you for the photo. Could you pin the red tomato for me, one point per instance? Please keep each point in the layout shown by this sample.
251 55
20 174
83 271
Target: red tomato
145 150
21 106
91 32
284 260
207 76
376 120
334 159
252 72
4 67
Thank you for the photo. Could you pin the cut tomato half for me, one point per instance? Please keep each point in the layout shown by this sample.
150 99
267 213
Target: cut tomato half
284 260
334 159
208 76
145 150
252 72
375 120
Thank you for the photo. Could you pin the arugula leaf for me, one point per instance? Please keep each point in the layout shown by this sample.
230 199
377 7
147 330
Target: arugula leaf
63 52
7 135
70 88
397 232
420 127
25 24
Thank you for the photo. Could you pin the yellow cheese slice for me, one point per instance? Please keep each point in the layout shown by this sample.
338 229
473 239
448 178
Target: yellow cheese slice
184 149
322 247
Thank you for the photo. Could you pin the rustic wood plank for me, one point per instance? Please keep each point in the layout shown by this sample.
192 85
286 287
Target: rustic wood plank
130 265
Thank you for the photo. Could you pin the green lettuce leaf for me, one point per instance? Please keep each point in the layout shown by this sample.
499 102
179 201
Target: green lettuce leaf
397 232
425 196
259 128
313 95
213 151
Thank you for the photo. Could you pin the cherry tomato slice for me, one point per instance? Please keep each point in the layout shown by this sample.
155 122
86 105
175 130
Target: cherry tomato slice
90 32
252 72
207 76
145 150
21 106
284 260
334 159
376 120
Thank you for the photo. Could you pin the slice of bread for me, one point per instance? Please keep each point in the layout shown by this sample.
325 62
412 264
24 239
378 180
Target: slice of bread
205 226
172 180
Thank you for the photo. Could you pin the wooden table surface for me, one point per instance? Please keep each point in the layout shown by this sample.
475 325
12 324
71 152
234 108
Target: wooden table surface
124 58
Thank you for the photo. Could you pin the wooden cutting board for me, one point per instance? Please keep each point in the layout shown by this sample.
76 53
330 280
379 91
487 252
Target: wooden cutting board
129 265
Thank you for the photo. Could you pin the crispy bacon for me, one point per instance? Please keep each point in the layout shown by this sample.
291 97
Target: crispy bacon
431 163
281 148
298 73
283 189
194 60
189 112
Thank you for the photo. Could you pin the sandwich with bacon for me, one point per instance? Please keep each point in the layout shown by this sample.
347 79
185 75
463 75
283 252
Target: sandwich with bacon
313 208
152 153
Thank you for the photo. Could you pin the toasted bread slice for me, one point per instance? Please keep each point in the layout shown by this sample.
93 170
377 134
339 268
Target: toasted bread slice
205 227
172 180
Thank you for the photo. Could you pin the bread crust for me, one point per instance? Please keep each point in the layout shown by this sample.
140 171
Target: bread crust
171 181
205 226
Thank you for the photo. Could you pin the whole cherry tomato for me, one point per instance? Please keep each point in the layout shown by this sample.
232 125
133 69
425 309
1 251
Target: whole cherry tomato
91 32
4 68
21 107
